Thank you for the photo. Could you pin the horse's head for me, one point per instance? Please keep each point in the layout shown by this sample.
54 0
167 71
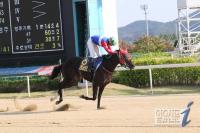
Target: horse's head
125 58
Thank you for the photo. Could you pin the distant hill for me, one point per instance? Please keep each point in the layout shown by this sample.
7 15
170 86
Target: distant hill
133 31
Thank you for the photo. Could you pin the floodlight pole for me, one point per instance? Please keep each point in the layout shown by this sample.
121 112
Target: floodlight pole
145 7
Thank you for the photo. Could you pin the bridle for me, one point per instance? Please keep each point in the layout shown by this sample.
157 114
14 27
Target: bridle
121 61
121 58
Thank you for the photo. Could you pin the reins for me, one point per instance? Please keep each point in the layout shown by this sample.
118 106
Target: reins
120 60
106 70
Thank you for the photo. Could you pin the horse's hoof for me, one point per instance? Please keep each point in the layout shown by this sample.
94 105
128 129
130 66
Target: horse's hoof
101 108
58 102
82 96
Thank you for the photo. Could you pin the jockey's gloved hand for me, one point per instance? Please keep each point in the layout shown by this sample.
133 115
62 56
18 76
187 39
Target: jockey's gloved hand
111 41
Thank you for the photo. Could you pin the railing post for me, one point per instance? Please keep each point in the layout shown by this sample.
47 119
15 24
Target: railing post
28 86
86 86
151 80
60 63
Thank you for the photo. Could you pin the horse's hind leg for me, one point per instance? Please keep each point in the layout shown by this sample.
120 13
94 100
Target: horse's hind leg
95 88
60 93
63 84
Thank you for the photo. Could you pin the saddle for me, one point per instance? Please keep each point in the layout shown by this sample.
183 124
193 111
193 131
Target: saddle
90 64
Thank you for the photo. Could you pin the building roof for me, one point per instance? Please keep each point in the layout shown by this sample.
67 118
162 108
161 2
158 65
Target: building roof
22 71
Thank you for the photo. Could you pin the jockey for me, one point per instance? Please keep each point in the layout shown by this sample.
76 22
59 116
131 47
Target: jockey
95 41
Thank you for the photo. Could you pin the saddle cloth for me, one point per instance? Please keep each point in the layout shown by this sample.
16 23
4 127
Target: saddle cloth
90 64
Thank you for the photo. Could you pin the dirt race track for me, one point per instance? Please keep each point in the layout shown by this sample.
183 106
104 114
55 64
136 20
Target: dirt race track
133 114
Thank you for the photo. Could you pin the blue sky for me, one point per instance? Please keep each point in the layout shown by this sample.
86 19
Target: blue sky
159 10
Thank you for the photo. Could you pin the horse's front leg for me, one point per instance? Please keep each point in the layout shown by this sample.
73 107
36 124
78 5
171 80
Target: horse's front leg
99 96
95 88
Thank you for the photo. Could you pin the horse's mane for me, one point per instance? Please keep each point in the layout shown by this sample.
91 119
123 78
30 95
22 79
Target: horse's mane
109 55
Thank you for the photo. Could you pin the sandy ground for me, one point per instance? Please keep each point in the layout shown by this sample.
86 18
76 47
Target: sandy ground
133 114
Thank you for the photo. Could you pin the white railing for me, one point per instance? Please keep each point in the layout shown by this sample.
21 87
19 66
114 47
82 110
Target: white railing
150 67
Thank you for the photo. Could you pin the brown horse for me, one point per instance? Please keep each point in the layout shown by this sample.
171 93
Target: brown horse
73 71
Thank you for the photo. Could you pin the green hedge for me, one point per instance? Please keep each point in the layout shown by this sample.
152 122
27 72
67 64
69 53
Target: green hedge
161 77
151 55
164 60
160 58
10 85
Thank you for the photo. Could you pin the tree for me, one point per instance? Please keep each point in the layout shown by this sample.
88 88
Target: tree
124 44
171 38
152 44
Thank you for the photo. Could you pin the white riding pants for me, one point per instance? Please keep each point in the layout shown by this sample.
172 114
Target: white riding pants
93 49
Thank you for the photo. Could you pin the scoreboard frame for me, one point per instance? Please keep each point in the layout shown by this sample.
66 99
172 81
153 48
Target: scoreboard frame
12 45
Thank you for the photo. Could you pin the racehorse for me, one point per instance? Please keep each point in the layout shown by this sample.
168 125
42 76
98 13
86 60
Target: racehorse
74 70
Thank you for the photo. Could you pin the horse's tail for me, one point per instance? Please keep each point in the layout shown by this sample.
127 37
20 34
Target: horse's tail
55 72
